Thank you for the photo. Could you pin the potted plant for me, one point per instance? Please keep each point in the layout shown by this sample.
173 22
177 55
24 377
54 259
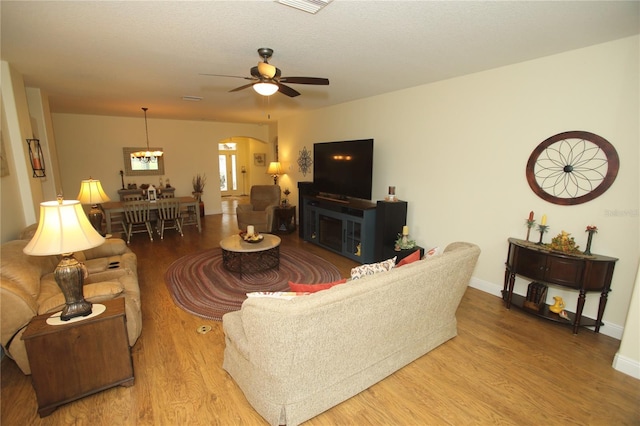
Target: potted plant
198 182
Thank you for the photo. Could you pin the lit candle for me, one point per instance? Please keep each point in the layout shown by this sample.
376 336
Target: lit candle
405 230
531 216
250 230
543 221
36 163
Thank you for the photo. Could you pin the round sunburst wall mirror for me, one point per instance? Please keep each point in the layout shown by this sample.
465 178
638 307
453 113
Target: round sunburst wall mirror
572 167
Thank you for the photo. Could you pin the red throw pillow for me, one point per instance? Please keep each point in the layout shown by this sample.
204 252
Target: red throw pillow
409 259
312 288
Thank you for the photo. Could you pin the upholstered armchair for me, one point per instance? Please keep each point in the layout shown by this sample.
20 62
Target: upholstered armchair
259 212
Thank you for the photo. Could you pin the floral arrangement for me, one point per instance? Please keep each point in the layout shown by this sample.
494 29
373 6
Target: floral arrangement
563 242
198 182
403 243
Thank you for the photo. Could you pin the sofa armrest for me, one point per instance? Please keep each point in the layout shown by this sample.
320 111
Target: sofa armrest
18 307
270 213
243 208
234 332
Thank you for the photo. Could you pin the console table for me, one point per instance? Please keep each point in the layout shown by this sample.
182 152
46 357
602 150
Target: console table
139 191
580 272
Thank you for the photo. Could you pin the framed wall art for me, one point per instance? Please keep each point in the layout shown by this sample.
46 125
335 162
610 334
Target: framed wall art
260 159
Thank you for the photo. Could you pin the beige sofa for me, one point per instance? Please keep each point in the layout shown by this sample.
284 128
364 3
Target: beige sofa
28 288
294 359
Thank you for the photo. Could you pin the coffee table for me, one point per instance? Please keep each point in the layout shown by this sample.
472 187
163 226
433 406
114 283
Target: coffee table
243 257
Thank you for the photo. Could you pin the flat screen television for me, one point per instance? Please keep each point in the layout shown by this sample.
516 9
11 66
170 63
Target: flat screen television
343 169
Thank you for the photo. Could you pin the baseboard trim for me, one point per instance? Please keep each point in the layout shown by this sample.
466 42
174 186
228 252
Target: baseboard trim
608 329
626 365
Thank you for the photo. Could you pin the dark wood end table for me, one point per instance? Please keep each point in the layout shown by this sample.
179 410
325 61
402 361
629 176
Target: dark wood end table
284 219
79 358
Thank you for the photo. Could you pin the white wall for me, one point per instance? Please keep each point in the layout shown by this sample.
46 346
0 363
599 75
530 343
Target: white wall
90 145
456 150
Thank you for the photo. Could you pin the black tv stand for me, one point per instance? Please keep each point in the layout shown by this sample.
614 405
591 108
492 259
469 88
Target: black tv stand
328 197
361 230
347 228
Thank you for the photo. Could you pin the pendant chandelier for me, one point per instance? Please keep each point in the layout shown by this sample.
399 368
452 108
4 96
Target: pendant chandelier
147 156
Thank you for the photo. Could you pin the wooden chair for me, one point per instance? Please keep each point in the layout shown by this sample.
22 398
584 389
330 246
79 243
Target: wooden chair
169 212
188 214
136 215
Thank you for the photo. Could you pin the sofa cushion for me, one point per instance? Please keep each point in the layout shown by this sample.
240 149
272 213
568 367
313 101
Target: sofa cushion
94 293
312 288
409 259
372 268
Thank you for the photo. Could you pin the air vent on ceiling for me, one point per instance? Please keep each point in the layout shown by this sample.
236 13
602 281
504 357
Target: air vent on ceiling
310 6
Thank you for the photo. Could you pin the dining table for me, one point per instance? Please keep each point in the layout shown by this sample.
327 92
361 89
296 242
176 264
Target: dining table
114 207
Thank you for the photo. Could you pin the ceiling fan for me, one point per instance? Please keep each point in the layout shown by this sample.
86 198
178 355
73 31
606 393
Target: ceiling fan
266 79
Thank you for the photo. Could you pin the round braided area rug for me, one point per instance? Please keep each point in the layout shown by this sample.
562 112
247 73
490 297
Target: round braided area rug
200 284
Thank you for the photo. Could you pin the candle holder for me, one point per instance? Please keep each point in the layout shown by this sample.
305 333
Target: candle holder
542 229
404 243
530 224
592 229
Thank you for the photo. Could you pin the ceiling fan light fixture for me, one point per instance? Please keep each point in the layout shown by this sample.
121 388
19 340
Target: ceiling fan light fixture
265 89
309 6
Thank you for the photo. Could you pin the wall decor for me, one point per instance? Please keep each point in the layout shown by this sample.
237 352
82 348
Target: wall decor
260 159
37 157
572 167
304 161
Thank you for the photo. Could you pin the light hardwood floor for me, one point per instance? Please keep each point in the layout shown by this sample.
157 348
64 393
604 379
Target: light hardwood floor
504 367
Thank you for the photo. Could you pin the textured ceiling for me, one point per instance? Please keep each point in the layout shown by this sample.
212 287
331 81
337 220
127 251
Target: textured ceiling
112 58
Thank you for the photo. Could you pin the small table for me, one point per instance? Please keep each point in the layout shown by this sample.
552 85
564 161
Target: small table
78 358
243 257
284 219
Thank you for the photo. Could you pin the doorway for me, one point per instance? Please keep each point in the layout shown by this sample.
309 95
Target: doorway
228 166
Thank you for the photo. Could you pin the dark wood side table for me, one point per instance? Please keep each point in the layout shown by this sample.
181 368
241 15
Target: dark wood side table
580 272
77 359
284 219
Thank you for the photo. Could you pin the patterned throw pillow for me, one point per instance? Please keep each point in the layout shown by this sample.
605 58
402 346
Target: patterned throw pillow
286 295
312 288
433 252
372 268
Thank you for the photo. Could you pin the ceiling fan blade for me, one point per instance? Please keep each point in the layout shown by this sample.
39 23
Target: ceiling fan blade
306 80
237 89
224 75
286 90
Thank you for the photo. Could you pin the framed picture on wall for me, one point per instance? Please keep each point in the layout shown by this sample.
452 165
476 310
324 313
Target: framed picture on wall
260 159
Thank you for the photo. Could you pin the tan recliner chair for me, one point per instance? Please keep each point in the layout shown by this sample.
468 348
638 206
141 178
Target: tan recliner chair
259 212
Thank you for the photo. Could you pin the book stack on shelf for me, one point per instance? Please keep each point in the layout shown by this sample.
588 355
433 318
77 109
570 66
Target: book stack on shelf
536 296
